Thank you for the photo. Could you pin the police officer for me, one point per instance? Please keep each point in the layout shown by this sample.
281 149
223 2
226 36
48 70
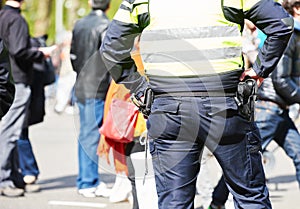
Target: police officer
192 56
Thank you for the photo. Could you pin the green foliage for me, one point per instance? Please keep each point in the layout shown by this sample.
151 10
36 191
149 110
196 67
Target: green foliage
113 8
72 11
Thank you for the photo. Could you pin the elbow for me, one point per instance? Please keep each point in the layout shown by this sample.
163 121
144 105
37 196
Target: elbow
105 53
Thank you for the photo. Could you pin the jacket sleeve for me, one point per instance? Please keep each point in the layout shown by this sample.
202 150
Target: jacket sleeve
7 91
19 42
277 24
73 52
128 23
7 88
282 76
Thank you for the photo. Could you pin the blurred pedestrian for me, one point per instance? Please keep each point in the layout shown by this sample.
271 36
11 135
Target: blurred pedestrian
128 155
66 77
43 74
7 88
90 91
128 158
15 35
194 65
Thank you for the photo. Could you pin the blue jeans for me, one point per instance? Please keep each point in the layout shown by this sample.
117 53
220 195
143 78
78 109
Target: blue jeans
91 115
178 129
27 161
275 124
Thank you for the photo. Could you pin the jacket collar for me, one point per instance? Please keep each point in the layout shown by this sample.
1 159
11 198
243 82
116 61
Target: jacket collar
7 7
97 12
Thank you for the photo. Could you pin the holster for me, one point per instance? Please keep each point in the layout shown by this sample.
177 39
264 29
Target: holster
245 97
145 105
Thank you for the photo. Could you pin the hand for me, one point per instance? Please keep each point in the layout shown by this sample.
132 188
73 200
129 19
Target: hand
103 149
47 51
251 73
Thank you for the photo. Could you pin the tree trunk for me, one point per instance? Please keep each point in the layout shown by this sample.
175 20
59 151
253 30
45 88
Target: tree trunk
42 22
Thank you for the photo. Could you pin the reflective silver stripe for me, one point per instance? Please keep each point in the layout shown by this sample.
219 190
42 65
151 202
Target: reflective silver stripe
190 44
240 4
192 68
124 16
191 55
189 33
126 4
128 13
247 4
141 1
130 5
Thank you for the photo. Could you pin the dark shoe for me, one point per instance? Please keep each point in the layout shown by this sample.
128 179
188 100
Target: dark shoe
12 192
31 188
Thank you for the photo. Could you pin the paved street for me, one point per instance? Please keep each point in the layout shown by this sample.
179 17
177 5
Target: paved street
55 146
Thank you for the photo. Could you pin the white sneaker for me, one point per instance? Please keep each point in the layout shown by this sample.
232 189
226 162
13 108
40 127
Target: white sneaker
130 198
102 190
88 192
121 189
29 179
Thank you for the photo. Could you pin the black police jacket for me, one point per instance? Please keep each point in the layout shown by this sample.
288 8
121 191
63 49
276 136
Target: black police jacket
92 77
283 85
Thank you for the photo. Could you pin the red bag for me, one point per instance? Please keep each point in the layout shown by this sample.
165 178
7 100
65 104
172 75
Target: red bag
120 121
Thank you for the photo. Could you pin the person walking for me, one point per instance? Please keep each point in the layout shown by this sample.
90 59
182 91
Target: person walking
90 91
36 112
15 35
193 64
128 155
275 95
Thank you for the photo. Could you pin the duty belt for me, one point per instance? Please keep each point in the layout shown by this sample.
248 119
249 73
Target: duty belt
227 93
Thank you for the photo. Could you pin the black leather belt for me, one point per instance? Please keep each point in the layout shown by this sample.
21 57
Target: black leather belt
196 94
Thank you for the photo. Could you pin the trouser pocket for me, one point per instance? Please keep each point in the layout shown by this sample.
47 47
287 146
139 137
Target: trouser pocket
256 171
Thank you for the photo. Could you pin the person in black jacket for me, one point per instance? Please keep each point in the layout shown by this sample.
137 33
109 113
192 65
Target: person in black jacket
36 112
15 35
90 90
280 90
7 88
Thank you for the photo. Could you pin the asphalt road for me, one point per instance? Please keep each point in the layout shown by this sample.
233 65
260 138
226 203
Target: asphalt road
55 145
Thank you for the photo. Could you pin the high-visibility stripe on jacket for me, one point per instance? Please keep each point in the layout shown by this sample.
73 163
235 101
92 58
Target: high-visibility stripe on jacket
201 43
193 41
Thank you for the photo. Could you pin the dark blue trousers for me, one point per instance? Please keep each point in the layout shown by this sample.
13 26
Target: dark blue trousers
27 161
275 124
179 128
